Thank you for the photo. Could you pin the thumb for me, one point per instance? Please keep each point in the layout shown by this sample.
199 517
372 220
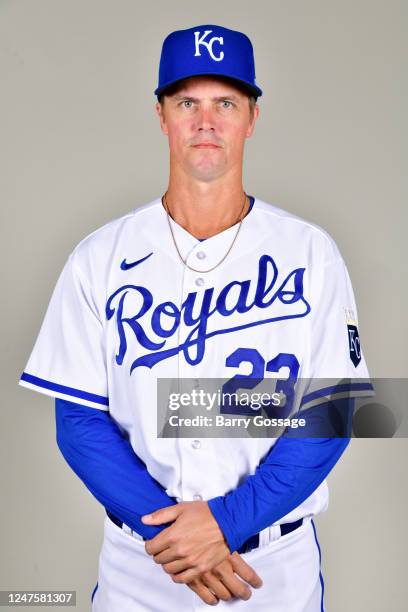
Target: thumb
164 515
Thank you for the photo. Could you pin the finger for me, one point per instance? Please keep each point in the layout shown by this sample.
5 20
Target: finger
245 571
164 515
216 586
166 556
186 576
159 542
203 592
194 567
177 566
233 583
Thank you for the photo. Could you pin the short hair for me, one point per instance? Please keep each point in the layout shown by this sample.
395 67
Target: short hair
172 89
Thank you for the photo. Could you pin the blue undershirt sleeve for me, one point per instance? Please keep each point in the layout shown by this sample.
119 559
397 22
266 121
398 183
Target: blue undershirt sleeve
287 475
94 447
99 454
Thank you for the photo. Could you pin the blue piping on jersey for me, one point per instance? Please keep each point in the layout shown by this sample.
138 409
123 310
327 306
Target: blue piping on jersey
336 389
320 564
46 384
93 592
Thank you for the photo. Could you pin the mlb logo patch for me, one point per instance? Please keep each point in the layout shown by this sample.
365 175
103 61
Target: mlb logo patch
354 344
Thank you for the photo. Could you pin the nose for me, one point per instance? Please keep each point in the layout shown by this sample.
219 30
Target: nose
205 119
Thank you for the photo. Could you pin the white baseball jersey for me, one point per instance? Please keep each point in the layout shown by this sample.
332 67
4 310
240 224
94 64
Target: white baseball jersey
126 311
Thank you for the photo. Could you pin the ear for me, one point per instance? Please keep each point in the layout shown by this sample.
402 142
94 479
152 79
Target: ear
251 126
160 112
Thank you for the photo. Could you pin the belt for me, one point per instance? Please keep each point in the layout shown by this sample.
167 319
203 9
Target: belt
249 544
253 541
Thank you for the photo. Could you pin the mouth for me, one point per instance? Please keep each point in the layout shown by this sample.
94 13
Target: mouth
206 145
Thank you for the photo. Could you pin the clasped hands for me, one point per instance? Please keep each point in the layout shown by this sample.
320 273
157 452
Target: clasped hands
193 551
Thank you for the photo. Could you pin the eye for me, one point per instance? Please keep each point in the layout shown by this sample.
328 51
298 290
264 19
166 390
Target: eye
187 103
226 103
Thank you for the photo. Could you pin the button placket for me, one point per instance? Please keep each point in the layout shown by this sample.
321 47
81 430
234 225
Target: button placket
183 443
193 461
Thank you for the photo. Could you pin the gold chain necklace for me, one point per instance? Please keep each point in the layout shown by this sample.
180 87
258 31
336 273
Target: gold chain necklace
164 202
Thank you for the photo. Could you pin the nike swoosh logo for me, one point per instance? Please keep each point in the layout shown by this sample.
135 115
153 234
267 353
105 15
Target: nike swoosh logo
127 266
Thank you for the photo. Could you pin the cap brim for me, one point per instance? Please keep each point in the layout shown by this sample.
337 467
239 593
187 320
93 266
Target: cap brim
254 89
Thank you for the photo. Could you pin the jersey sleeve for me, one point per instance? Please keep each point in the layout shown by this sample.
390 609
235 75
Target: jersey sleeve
68 358
337 367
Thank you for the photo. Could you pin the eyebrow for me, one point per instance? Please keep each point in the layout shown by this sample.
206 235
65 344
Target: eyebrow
216 99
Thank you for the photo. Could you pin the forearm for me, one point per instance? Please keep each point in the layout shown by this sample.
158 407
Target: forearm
278 486
94 447
290 472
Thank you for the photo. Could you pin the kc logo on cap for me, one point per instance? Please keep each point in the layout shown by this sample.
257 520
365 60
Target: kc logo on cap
207 50
201 41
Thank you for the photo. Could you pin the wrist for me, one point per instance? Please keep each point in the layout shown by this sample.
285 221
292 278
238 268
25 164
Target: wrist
220 514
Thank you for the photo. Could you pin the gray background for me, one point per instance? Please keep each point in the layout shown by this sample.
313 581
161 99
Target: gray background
81 145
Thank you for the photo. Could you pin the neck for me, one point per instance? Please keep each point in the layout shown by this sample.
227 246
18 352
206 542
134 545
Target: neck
206 209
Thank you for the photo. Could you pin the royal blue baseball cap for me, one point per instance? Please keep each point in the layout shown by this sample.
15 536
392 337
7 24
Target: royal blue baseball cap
207 50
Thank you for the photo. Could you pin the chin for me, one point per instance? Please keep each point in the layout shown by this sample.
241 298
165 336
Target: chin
207 171
207 175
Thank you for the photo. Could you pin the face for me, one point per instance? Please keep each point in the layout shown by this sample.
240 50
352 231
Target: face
207 122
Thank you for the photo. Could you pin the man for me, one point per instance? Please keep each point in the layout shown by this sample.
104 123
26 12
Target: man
205 282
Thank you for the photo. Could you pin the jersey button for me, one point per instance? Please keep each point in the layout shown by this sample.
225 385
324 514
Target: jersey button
196 444
197 497
199 281
201 255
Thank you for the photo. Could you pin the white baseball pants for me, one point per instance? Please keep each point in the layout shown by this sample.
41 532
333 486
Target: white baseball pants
130 581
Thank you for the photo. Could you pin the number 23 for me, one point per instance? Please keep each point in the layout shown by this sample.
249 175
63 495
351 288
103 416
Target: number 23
251 380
